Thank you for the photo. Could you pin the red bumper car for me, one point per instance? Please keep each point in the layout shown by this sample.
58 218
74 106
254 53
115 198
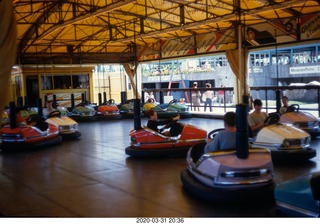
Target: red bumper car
148 143
33 134
108 110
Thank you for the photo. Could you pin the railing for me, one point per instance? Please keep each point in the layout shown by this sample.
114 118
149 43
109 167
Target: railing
310 101
185 93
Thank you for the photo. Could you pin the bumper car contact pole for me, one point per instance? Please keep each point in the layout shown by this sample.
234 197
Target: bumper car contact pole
136 106
39 104
278 97
54 97
13 122
72 101
242 134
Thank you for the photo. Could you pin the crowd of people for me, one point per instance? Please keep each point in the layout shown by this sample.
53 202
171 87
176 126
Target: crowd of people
209 97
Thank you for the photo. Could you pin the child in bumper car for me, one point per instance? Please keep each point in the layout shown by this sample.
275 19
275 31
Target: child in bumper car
171 123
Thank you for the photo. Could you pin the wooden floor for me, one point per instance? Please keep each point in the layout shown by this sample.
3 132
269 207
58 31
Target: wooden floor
93 177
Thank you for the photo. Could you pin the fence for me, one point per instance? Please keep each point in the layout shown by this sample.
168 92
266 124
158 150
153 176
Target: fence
307 96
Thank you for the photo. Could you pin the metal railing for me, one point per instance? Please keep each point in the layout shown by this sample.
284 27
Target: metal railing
309 102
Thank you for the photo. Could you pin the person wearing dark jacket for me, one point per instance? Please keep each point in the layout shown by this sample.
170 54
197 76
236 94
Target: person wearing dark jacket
153 123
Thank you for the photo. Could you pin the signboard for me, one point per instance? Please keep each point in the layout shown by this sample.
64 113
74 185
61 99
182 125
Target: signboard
304 70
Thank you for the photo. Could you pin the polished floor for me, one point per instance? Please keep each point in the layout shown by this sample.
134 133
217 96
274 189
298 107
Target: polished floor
93 177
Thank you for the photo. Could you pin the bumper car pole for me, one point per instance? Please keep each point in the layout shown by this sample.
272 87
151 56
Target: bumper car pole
242 143
72 101
278 100
13 122
39 104
100 99
54 97
161 97
104 97
83 98
123 97
136 114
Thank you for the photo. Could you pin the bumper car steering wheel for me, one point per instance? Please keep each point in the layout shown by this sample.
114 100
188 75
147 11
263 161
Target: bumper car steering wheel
273 118
55 113
293 108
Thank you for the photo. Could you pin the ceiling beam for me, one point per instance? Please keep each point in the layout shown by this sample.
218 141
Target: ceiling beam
78 19
229 17
64 58
34 28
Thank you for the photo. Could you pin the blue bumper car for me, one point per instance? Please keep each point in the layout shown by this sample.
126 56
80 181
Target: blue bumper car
299 197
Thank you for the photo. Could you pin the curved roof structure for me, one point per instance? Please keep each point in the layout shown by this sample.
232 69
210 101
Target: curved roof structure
116 31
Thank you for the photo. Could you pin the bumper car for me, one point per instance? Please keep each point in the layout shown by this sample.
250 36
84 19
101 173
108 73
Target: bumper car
34 133
127 109
25 113
286 142
148 143
302 120
63 110
171 109
4 118
83 113
68 128
299 197
108 110
233 176
222 177
150 104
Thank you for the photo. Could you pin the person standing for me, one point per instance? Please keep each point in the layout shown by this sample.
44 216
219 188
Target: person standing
221 96
195 97
209 95
151 96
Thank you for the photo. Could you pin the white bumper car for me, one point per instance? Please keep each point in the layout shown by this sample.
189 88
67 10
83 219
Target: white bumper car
222 177
68 128
302 120
239 175
286 142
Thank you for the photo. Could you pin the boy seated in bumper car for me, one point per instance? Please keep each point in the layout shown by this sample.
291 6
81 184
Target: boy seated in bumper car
153 123
225 139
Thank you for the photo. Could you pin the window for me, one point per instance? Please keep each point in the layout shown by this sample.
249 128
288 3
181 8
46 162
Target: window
56 82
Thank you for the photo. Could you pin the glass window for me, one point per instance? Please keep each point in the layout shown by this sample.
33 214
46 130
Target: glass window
46 82
50 82
62 82
80 81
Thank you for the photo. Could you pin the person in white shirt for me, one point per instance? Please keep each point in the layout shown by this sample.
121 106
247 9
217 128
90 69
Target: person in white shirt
49 108
195 97
257 118
285 105
208 95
